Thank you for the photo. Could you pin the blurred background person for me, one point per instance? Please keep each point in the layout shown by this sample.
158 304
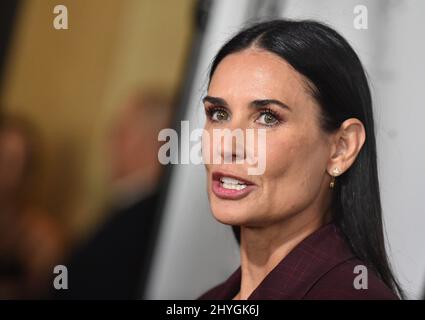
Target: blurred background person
74 87
132 146
109 264
31 241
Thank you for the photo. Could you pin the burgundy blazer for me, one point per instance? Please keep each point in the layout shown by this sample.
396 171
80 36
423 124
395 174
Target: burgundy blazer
319 267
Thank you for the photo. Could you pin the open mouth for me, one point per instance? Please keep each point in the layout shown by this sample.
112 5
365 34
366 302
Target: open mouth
232 184
228 186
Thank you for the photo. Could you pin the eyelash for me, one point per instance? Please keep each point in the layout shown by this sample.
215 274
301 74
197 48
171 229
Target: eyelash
210 110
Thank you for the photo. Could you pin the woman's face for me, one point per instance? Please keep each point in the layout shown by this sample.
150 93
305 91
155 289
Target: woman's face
297 151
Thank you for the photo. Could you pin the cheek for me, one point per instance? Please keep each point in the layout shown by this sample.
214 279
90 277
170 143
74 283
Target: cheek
282 152
207 147
295 166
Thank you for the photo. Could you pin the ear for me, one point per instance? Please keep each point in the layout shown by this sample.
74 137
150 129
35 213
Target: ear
347 144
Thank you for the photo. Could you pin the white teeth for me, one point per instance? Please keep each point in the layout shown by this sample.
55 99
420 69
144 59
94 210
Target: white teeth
233 186
231 183
230 180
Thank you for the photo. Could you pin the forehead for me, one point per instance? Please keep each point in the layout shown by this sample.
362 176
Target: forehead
256 73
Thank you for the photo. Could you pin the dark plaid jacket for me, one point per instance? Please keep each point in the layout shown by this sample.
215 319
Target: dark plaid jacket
320 267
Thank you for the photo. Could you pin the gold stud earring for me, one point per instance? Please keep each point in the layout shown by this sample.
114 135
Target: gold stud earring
335 172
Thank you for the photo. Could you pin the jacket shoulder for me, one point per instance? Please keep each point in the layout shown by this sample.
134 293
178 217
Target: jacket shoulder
215 293
350 280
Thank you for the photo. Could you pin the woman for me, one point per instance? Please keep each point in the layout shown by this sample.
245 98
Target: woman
310 226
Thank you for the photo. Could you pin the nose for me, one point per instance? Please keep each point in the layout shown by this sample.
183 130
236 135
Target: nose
232 142
232 149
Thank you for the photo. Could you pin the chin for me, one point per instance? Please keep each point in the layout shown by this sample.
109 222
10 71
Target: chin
232 213
227 214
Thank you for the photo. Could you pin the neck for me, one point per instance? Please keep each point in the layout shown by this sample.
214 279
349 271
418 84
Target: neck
262 248
134 186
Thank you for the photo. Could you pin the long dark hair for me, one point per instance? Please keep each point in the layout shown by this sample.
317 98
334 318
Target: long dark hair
337 80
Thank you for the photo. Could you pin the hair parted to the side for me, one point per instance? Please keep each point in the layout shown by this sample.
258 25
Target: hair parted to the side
337 80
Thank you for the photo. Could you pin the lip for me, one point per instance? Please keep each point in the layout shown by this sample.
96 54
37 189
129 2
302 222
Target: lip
229 194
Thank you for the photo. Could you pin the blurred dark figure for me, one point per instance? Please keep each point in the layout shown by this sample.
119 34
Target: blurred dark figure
109 264
30 240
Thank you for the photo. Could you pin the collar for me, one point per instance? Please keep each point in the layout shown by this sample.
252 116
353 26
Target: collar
294 276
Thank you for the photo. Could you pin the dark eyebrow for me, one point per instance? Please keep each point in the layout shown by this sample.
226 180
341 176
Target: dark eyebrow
265 102
256 103
215 101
